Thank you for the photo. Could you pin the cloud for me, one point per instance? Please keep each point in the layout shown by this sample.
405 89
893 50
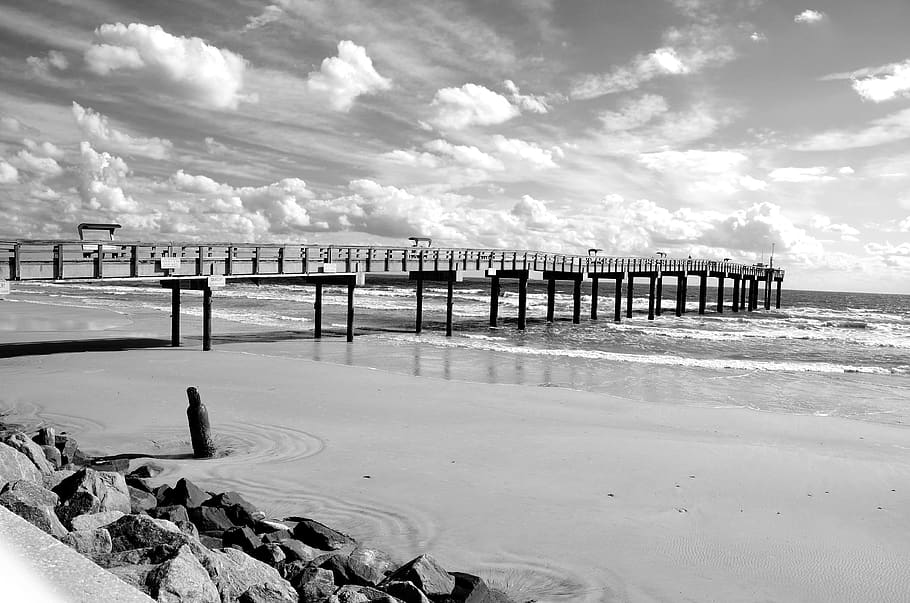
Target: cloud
844 231
757 36
526 151
643 68
535 214
343 78
8 173
95 126
213 147
846 170
269 14
187 68
635 113
809 17
10 124
458 108
883 83
887 129
752 184
527 102
469 156
43 65
45 149
798 174
43 166
102 177
699 172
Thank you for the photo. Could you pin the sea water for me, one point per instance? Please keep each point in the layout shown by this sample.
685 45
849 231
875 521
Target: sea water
824 353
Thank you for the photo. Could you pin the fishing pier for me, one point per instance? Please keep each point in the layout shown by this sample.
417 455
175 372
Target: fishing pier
208 267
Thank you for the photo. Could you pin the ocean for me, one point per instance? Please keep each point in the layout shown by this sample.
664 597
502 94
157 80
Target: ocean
822 353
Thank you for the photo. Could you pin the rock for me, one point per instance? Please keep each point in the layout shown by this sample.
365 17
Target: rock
67 447
240 512
269 553
141 501
90 491
116 465
182 579
46 436
91 543
134 575
33 503
53 456
142 555
210 541
21 442
162 493
369 566
141 484
314 584
361 594
91 521
209 519
53 480
427 575
469 589
276 537
234 572
263 526
146 471
138 531
295 550
173 513
15 466
243 537
185 493
321 536
406 591
265 593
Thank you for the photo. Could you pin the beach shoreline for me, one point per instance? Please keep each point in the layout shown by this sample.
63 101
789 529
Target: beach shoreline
546 492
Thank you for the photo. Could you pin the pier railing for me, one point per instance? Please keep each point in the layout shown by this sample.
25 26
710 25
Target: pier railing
116 260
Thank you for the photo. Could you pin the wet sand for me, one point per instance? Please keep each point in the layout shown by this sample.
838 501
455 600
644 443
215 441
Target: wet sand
551 494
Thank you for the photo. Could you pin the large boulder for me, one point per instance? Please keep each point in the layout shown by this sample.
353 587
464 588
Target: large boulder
139 531
427 575
367 567
406 591
321 536
91 521
470 589
266 593
234 573
184 493
182 579
134 575
91 543
361 594
53 456
53 480
237 508
314 584
210 519
242 537
90 491
15 466
295 550
30 449
34 503
141 501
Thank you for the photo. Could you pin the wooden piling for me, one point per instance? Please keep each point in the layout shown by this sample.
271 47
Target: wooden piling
702 292
742 294
419 325
617 313
494 300
522 301
200 429
350 330
720 295
175 316
317 312
736 280
768 276
594 282
651 290
658 301
576 301
777 304
206 318
551 298
680 294
449 303
629 288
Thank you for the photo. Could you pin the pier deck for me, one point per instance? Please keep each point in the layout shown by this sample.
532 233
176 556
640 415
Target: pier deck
208 266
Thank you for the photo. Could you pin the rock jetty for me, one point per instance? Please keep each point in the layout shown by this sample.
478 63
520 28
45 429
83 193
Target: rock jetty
180 543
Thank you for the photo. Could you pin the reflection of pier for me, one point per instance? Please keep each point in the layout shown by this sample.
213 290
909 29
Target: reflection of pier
206 267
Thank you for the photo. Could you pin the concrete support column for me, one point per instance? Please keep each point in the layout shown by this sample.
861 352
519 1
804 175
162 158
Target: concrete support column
658 310
736 280
522 302
594 281
702 293
652 285
450 294
419 320
350 329
629 293
617 314
576 301
551 298
317 312
720 295
494 300
207 319
175 317
777 305
680 295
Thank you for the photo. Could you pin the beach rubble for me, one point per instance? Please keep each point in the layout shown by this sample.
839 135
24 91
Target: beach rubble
181 543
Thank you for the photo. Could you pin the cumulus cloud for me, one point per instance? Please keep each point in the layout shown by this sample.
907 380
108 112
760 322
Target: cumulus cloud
102 178
55 60
809 16
95 126
844 231
800 174
187 68
465 155
526 151
8 173
42 166
527 102
846 170
535 214
343 78
458 108
10 124
757 36
44 149
883 83
269 14
634 113
883 130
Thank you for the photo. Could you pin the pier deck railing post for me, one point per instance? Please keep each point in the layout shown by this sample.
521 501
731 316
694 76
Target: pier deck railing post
551 298
494 300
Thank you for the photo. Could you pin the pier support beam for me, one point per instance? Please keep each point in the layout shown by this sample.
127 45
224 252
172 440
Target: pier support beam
175 317
702 292
652 285
317 312
594 281
720 295
551 298
419 318
779 283
494 300
736 280
450 293
523 277
450 277
680 294
576 301
768 282
206 318
522 302
350 329
629 293
742 293
658 310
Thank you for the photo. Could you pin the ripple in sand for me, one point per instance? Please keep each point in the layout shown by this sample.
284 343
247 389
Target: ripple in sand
527 579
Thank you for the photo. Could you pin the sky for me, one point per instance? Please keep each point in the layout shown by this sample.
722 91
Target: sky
710 128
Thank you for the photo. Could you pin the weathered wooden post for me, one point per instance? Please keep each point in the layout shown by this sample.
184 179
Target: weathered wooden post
522 301
419 326
659 295
594 298
576 302
207 318
494 300
617 301
551 298
200 430
629 292
175 314
449 304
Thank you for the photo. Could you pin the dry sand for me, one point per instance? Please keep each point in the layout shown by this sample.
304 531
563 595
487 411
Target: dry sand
553 495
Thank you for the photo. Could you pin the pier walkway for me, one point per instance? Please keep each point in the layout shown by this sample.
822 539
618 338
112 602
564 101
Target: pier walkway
209 266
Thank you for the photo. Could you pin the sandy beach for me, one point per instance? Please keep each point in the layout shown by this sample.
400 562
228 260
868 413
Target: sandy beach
548 493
